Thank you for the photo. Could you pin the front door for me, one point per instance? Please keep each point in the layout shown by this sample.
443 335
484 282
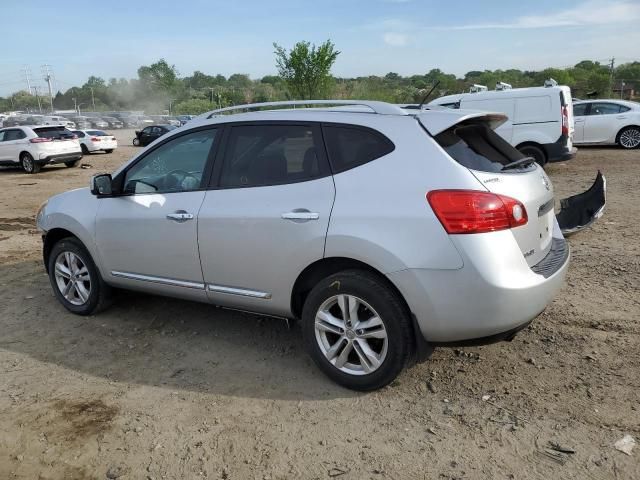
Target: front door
601 123
147 236
579 115
266 217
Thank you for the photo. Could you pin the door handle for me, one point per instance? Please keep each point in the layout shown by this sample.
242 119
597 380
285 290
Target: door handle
300 215
180 216
578 121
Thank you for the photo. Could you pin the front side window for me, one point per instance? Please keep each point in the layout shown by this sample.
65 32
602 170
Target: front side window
176 166
259 155
350 147
604 109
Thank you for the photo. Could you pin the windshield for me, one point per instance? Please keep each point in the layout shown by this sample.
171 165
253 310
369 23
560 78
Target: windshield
97 133
478 147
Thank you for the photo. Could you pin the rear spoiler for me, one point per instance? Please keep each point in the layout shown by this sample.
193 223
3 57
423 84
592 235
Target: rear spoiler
581 210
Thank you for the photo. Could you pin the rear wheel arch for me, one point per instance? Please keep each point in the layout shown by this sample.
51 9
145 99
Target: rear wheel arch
325 267
623 129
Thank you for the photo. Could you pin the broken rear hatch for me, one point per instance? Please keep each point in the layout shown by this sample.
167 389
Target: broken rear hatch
468 137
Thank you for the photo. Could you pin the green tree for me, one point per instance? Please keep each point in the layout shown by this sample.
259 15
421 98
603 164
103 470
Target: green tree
306 69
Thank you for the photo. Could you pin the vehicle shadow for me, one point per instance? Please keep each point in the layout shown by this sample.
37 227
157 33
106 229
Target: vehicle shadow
162 342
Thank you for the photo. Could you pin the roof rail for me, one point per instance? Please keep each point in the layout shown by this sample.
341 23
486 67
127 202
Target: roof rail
381 108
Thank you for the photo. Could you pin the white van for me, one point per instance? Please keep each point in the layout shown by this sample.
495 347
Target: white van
58 120
540 121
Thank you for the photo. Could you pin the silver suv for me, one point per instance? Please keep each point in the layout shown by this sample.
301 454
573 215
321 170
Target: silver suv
385 231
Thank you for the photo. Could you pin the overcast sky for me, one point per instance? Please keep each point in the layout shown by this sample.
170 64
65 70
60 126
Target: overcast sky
113 38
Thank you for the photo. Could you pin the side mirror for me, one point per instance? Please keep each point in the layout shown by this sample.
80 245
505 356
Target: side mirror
101 185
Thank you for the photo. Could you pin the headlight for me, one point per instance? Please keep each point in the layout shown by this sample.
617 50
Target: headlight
40 214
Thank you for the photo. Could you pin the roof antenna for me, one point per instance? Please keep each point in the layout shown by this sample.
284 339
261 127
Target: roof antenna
424 99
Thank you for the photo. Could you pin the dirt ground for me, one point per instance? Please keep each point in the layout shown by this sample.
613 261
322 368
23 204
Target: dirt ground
157 388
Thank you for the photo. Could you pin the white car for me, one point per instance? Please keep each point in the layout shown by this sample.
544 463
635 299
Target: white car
36 146
95 140
540 119
57 120
607 122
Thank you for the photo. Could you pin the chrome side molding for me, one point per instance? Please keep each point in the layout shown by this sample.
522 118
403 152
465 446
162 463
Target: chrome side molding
162 280
238 291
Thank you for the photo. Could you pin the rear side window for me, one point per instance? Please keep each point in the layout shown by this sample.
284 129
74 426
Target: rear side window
13 135
350 147
477 147
260 155
55 133
604 109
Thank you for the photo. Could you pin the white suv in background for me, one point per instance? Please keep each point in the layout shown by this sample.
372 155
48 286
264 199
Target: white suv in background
57 120
607 122
36 146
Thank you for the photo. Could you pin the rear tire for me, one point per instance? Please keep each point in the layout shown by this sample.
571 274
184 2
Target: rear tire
109 150
629 138
375 341
85 150
72 164
28 164
70 263
534 151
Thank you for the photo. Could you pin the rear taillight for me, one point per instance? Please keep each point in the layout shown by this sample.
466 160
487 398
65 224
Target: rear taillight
95 139
565 121
470 211
41 140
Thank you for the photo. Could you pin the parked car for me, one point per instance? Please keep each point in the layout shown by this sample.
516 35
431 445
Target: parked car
607 122
58 120
184 118
81 122
385 232
96 140
148 134
13 120
165 120
33 120
113 122
540 122
36 146
98 122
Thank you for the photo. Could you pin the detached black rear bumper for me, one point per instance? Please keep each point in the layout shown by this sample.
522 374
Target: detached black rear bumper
581 210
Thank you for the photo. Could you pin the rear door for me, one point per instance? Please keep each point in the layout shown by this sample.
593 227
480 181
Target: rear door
266 217
477 147
580 111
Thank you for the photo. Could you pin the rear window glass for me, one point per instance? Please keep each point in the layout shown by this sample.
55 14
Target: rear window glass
53 132
350 147
97 133
477 147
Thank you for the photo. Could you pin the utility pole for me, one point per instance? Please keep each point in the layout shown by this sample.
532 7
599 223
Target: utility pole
26 74
612 63
93 100
35 90
212 89
46 72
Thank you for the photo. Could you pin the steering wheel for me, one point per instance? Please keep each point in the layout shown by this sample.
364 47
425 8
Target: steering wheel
176 180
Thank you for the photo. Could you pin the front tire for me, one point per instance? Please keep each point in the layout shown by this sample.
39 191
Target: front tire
136 142
357 330
629 138
72 164
109 150
28 164
535 152
75 279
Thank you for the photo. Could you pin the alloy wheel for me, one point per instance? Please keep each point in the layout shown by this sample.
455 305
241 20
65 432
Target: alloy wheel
72 278
630 138
27 163
351 334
